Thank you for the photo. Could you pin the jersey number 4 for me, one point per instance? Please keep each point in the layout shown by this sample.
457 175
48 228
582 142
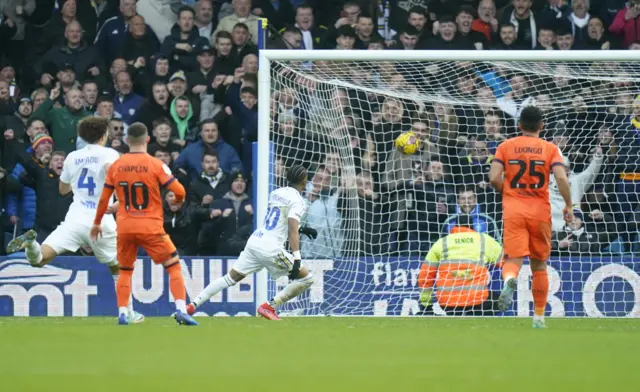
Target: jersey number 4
271 218
532 167
86 182
131 198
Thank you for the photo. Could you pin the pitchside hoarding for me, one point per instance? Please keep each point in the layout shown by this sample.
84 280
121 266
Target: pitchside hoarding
80 286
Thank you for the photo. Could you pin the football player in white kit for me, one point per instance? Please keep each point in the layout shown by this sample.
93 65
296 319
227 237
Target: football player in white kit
265 248
83 173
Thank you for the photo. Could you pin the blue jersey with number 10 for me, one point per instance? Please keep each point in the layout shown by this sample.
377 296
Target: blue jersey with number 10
85 171
284 203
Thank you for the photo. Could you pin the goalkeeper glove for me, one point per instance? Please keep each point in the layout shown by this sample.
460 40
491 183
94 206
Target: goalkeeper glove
309 232
295 270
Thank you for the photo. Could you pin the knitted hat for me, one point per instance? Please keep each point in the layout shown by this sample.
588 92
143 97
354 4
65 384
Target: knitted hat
40 139
237 175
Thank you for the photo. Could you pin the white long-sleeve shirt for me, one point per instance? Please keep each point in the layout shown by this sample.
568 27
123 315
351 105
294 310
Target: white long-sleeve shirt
579 182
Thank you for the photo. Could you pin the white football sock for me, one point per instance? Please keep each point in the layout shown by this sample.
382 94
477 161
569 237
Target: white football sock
181 305
213 288
537 317
123 310
130 306
292 290
33 253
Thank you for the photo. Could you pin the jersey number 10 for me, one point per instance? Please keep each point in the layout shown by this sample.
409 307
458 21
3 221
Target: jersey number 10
131 195
271 218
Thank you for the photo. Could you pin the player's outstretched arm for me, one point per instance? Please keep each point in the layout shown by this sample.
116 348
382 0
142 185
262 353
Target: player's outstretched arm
495 175
560 173
294 244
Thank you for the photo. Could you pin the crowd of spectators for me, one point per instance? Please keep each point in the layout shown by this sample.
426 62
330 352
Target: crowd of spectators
189 73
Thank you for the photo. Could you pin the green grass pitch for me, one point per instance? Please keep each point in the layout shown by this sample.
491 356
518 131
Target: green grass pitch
319 354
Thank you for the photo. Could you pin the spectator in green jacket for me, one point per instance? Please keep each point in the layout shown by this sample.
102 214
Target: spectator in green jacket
62 121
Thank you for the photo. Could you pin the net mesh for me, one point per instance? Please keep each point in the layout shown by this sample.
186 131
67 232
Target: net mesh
378 212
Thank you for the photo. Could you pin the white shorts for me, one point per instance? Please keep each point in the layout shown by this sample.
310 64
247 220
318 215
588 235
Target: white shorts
277 262
70 236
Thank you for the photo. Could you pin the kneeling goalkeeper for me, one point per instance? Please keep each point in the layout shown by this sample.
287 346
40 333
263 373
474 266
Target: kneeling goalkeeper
455 270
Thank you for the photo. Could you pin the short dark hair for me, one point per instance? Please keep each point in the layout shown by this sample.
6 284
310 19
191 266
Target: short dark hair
186 8
241 25
530 119
89 81
304 6
58 153
222 34
346 30
291 29
137 132
446 18
377 40
296 174
160 149
466 188
160 121
409 30
249 90
367 16
92 129
492 113
507 25
159 82
464 220
211 153
207 121
416 9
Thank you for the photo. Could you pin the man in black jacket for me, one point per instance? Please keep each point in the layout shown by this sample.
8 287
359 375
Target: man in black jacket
51 206
212 183
231 213
18 120
182 223
201 80
184 42
86 60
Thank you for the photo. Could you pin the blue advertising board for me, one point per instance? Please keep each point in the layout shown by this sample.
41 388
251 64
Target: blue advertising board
80 286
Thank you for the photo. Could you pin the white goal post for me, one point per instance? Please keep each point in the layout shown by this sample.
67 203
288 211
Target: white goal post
337 112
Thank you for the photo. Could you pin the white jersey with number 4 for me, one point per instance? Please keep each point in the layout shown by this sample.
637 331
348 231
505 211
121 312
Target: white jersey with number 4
85 171
284 203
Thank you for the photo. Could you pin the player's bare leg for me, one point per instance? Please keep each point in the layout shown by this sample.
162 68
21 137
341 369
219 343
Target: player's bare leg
36 254
540 290
179 292
510 271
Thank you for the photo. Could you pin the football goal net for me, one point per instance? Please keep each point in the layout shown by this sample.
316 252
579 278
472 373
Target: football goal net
378 211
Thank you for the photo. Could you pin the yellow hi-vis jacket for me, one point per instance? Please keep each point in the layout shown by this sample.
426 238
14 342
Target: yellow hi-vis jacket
457 266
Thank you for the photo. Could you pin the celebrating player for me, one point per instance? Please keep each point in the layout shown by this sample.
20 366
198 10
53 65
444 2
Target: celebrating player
84 173
265 248
137 178
526 162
